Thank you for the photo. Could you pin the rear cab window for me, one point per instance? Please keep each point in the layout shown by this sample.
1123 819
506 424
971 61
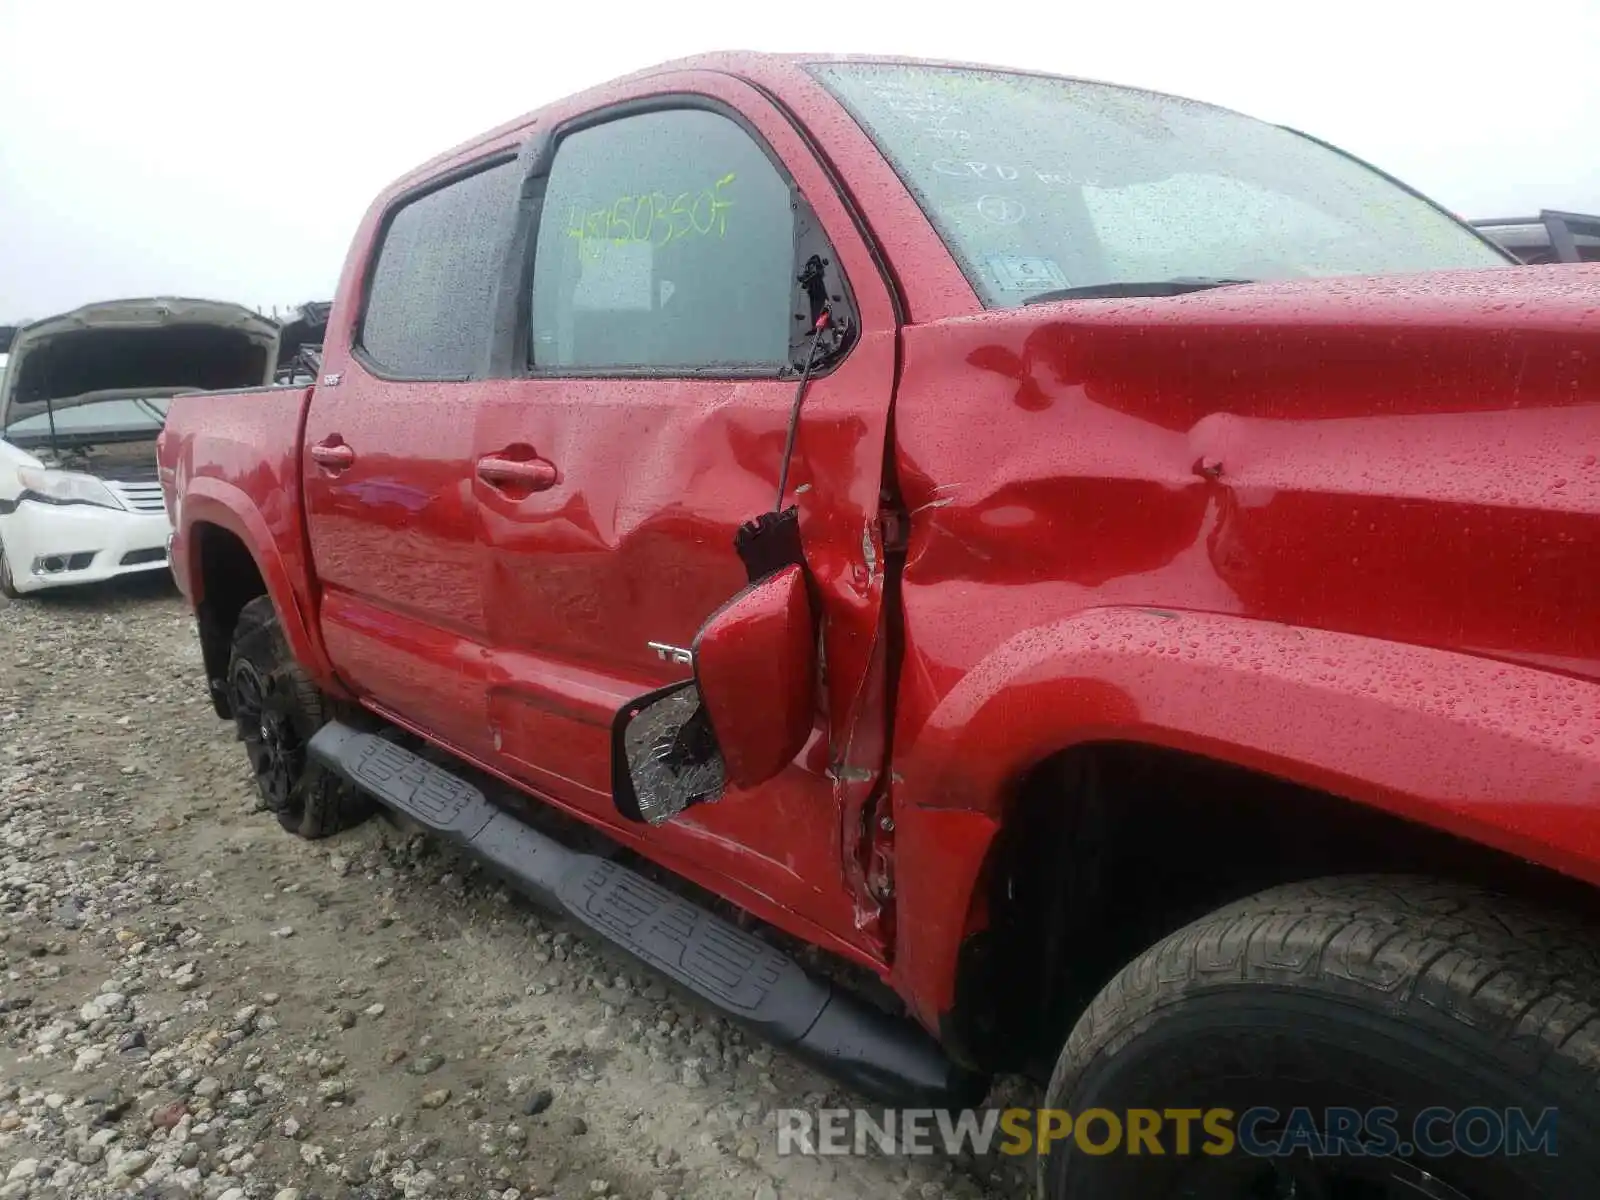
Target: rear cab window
431 285
1038 183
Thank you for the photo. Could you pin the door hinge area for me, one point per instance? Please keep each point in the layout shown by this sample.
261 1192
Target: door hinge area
894 531
880 859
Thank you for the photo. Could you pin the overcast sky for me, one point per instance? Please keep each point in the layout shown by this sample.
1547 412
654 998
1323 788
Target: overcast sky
162 147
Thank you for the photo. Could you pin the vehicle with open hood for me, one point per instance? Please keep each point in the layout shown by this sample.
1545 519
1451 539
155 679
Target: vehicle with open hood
82 399
300 342
1121 573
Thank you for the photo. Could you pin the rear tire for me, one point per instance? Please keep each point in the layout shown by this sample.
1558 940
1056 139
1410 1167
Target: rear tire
276 709
1359 993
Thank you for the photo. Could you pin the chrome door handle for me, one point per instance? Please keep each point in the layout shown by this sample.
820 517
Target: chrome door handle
534 474
335 456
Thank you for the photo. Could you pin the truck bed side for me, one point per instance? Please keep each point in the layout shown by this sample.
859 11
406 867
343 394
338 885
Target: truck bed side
230 468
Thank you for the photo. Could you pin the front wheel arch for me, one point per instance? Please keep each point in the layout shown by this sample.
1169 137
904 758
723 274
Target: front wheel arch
1387 724
1108 847
1430 739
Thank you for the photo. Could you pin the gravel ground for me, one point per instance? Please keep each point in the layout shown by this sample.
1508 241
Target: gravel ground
195 1004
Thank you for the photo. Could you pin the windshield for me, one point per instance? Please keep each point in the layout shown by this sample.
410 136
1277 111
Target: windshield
1038 184
118 418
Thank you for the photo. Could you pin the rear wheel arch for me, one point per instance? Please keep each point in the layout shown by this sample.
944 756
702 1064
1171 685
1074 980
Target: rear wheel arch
230 558
224 578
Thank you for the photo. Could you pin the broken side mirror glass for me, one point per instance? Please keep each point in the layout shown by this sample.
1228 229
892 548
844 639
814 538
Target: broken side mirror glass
748 710
741 719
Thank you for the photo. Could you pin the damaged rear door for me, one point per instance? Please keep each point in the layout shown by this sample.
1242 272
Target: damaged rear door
663 326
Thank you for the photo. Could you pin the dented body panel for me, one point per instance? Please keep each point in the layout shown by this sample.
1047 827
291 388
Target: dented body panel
1343 532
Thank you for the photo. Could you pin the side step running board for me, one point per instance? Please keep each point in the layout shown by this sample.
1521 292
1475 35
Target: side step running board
889 1059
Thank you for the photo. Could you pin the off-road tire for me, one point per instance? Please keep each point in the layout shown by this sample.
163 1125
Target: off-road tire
276 709
1348 991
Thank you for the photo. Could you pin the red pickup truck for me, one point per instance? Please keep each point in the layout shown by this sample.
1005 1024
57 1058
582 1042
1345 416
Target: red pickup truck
1125 574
